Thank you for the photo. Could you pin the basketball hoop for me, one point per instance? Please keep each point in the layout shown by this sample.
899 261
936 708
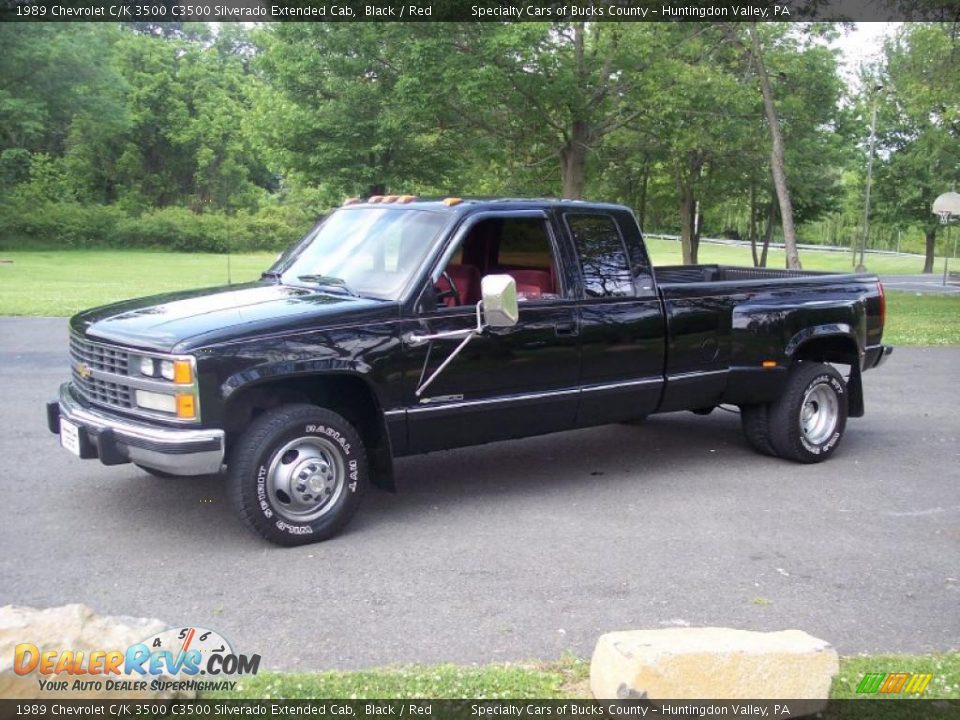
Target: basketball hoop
946 207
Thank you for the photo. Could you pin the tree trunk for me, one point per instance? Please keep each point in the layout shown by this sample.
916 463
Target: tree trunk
642 200
687 205
752 231
377 189
767 234
777 162
697 225
687 177
573 161
931 243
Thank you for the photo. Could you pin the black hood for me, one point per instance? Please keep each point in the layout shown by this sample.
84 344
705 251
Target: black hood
180 321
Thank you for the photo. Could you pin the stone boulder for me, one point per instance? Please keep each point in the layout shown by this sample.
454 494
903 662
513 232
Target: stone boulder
73 628
712 663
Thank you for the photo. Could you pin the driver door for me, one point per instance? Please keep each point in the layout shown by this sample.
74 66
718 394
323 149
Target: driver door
508 382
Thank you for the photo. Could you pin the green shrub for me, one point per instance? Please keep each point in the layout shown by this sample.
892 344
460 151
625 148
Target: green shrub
177 228
28 224
58 224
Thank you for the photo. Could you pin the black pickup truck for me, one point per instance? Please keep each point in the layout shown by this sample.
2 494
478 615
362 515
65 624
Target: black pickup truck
400 326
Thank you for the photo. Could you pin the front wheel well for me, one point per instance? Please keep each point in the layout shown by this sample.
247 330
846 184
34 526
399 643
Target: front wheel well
348 395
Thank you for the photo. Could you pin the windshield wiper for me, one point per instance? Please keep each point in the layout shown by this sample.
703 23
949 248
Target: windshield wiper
329 283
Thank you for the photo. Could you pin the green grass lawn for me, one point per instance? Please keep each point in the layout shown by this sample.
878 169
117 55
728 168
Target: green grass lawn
566 678
58 283
562 679
65 282
922 319
667 252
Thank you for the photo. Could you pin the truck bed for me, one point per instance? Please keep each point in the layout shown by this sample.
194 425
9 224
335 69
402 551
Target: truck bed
683 274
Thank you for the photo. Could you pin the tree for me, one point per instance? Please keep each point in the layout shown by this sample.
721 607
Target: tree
553 92
50 72
919 134
187 141
355 105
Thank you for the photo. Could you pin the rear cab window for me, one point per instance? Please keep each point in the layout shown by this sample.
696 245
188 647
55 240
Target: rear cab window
604 264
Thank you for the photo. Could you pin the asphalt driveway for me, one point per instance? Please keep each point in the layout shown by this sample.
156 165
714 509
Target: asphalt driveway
519 550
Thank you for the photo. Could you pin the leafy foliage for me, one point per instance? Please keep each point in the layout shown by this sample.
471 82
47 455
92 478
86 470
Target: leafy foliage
182 135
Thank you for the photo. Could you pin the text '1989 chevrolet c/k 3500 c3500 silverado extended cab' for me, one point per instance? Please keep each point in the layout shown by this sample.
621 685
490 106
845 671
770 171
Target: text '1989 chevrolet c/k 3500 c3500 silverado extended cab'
401 326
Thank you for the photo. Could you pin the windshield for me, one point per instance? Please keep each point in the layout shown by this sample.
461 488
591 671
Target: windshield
364 251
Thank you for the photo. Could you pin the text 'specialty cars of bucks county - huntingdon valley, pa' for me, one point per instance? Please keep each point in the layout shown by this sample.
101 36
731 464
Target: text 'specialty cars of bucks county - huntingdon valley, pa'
402 325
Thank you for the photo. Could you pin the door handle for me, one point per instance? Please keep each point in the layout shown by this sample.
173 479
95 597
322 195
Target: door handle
565 329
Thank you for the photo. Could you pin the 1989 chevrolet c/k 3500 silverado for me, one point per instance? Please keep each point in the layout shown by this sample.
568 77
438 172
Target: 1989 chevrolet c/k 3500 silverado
401 326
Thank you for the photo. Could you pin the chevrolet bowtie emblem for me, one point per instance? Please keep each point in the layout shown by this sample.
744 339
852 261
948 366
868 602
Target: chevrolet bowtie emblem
83 370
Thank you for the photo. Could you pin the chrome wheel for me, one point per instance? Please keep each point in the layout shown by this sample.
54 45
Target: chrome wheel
819 414
305 479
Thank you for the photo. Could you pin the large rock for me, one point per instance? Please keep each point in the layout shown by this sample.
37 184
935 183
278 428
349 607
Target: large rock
712 663
73 628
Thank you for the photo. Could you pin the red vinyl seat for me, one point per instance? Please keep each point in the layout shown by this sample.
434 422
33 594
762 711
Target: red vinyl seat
467 280
540 281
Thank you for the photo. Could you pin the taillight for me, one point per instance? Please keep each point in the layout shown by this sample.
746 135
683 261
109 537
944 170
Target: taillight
883 305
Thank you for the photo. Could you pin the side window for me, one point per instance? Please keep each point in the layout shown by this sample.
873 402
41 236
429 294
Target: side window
524 252
515 246
603 260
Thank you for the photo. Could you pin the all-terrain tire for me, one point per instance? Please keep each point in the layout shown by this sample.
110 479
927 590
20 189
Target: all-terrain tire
753 421
297 474
807 421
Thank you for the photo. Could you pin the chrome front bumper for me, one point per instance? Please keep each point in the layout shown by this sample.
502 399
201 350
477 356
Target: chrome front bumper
116 440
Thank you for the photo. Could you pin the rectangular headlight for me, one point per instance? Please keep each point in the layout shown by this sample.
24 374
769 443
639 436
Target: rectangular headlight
156 401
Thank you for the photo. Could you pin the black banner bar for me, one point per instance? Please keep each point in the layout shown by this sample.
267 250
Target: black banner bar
121 709
476 10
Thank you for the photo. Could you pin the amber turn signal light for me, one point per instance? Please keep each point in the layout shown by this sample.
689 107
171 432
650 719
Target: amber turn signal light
182 372
186 407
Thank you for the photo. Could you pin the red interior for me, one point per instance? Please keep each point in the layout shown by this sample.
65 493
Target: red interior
480 256
467 280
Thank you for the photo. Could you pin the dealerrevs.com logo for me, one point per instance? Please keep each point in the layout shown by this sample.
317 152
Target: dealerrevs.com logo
171 661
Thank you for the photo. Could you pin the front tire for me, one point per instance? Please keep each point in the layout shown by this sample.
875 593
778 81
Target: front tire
807 421
297 474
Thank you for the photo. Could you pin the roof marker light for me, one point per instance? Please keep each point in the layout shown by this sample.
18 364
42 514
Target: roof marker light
351 201
451 201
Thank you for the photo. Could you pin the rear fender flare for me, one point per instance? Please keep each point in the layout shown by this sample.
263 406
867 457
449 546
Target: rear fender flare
840 332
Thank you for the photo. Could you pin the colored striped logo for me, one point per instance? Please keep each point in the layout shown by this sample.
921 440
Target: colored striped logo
891 683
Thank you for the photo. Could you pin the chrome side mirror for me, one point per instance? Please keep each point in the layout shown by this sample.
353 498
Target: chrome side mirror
497 309
499 294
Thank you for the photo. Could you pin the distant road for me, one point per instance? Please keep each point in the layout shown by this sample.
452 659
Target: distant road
920 283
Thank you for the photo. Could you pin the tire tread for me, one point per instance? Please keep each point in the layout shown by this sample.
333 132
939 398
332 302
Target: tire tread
754 420
243 458
783 413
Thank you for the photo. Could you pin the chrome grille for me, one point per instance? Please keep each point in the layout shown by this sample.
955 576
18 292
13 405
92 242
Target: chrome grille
104 359
99 357
103 392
